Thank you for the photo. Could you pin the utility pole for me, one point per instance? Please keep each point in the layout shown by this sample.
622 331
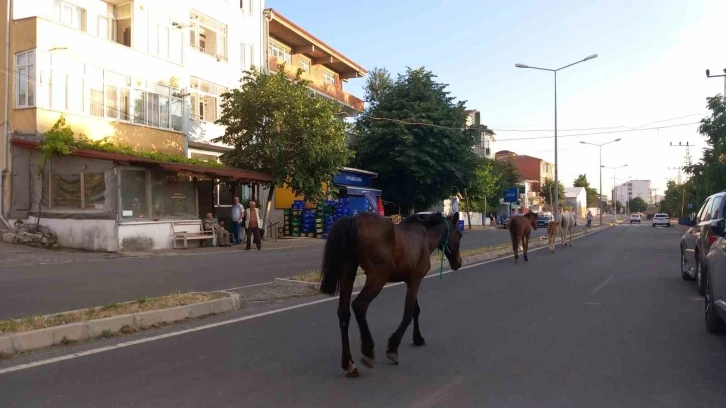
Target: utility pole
687 161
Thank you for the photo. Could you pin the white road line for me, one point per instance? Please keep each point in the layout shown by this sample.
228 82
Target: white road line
222 323
249 286
602 284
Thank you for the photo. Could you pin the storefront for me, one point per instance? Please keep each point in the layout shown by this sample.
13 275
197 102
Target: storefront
356 185
112 202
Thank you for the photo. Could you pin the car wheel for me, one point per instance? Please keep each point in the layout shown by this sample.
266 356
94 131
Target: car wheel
714 323
684 269
700 279
668 225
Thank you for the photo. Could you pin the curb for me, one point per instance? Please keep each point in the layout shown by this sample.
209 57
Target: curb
360 280
76 332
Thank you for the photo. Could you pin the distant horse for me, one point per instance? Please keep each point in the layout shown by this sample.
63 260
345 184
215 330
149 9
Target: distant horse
552 227
387 253
520 228
567 222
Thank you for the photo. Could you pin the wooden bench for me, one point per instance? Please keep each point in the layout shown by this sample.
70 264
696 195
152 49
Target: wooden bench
191 230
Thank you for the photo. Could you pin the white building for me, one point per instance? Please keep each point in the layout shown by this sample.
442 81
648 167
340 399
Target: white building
634 188
576 197
485 146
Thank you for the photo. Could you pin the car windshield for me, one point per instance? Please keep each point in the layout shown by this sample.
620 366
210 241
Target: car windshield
661 216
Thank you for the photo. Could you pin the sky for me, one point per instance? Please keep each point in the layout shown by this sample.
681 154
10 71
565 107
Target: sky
649 73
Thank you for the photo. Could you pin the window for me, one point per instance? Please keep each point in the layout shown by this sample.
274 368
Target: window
25 86
172 196
206 98
95 88
74 191
68 14
118 95
156 35
134 201
329 78
102 28
716 208
704 213
208 35
246 7
122 24
158 105
304 64
282 54
246 57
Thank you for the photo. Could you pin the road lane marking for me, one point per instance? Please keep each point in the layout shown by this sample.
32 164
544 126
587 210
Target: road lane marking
602 284
250 286
117 346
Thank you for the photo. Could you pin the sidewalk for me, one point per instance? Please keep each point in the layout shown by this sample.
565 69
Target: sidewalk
267 245
13 254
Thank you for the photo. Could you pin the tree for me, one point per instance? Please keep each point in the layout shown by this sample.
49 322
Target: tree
277 126
58 141
592 195
673 202
482 185
709 174
637 204
413 136
548 192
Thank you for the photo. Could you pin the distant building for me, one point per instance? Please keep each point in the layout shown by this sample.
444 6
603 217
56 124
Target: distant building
529 167
485 146
634 188
576 197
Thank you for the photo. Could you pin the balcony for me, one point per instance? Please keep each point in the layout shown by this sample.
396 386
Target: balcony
336 92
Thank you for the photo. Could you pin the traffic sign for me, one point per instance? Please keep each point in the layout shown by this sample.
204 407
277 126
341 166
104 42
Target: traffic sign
510 194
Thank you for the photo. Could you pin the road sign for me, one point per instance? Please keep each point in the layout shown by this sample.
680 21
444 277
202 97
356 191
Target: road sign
510 194
690 206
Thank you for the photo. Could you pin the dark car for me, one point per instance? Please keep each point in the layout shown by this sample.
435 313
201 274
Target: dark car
715 310
696 242
544 219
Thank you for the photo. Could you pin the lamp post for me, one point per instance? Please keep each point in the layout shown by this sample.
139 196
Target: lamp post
599 200
556 197
708 75
615 199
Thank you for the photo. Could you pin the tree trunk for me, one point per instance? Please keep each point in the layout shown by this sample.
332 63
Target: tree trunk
468 209
268 207
40 200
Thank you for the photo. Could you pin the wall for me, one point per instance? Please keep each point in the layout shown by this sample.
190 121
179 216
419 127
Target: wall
92 235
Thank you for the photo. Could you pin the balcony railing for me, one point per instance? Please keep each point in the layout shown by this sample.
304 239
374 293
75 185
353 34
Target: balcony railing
335 92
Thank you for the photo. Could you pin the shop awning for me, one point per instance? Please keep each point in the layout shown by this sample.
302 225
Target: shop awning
214 171
352 190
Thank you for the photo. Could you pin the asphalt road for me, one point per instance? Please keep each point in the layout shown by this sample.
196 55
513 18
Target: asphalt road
44 288
606 323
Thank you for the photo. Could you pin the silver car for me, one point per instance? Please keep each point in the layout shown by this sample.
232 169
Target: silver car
715 293
661 219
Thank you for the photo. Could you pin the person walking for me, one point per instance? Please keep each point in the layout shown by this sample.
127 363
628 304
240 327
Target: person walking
252 225
589 219
237 211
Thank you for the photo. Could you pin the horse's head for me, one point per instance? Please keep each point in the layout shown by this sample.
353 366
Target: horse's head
445 233
532 219
454 238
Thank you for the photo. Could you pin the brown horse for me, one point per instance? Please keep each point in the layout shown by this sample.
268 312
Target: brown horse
552 227
520 228
387 253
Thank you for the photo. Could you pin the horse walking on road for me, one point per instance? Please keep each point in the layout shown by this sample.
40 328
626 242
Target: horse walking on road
552 228
520 228
387 253
566 222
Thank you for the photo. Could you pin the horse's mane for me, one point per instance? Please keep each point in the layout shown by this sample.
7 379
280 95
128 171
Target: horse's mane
427 220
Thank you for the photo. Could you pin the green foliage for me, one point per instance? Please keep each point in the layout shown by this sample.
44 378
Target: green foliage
548 192
278 126
418 164
58 141
637 204
709 175
483 184
592 195
673 202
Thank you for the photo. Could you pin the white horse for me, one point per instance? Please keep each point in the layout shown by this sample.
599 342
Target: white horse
566 222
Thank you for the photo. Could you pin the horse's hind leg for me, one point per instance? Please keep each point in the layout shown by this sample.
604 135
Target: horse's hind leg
371 289
395 340
346 291
515 248
418 339
525 247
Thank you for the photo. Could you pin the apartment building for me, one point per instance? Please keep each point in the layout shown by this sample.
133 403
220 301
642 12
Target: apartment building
485 145
143 73
634 188
529 167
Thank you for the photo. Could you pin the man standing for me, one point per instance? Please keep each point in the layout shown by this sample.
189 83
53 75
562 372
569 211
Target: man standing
252 224
237 210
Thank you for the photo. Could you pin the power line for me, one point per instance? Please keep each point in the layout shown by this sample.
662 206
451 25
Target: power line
599 133
597 128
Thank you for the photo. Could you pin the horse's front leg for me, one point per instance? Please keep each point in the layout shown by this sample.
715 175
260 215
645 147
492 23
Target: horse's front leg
371 289
395 340
346 291
418 339
570 239
525 246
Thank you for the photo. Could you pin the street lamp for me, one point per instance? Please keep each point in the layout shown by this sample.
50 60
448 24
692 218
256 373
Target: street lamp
588 58
615 199
708 75
599 200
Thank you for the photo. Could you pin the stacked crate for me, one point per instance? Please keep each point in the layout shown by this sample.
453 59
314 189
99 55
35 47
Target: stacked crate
296 218
287 223
308 223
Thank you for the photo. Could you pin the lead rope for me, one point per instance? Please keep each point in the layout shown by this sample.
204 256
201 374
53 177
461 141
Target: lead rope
444 247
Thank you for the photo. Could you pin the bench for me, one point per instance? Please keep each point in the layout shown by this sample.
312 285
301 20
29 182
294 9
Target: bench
191 230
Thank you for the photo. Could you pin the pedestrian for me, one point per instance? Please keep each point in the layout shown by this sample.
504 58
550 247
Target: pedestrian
589 219
237 211
252 225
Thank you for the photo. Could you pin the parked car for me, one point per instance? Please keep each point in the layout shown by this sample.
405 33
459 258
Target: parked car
715 294
661 219
543 219
697 241
635 218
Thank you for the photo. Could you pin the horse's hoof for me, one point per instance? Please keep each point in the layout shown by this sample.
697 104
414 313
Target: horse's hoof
393 357
352 371
516 261
369 362
419 341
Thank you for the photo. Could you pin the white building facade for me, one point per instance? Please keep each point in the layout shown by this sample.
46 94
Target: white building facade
634 188
576 197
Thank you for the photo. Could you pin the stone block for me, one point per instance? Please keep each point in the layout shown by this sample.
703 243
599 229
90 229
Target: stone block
34 339
70 332
201 309
144 320
97 327
223 305
6 345
9 237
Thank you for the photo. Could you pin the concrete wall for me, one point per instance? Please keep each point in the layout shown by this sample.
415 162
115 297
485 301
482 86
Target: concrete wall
92 235
144 236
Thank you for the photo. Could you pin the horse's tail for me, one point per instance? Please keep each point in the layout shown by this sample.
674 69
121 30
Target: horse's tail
340 251
513 233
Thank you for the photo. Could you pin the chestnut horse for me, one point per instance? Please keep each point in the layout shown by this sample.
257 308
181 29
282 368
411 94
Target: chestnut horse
520 228
552 228
387 253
